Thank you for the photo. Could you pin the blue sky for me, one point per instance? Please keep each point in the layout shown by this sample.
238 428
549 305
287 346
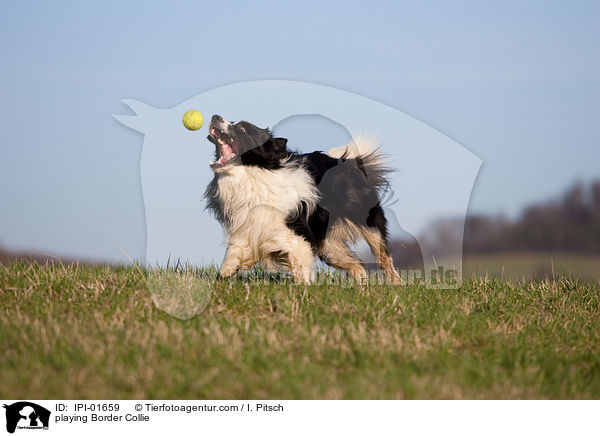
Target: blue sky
517 83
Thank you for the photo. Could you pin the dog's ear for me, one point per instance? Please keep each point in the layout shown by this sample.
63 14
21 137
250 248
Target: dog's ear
280 144
276 149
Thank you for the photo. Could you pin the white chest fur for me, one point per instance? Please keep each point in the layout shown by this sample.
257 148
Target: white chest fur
244 188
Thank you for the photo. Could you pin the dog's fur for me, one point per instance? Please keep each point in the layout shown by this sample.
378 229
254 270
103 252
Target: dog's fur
282 208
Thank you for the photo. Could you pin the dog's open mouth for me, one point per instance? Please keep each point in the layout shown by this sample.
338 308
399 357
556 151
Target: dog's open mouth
226 147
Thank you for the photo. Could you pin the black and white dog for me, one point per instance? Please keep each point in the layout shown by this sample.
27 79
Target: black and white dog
282 208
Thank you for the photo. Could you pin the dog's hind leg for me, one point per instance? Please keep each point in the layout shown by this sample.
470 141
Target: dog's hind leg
380 251
375 233
337 254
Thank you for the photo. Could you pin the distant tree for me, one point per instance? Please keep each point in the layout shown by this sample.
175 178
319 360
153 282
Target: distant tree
568 223
571 223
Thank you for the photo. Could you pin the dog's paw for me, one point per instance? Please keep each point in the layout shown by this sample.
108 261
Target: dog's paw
228 271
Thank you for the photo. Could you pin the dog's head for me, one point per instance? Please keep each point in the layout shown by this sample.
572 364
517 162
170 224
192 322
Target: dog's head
243 143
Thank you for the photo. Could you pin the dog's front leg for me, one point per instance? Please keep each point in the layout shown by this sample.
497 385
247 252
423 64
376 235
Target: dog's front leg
236 258
233 260
301 261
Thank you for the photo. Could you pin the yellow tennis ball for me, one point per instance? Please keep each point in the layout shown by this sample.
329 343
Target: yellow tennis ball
193 120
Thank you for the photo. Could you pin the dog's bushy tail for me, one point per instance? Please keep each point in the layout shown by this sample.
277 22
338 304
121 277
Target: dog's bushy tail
366 153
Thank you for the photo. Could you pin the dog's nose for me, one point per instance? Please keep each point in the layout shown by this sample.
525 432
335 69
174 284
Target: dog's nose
216 119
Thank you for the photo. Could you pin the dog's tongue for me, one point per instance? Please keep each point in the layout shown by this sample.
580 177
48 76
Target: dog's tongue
226 150
226 154
224 159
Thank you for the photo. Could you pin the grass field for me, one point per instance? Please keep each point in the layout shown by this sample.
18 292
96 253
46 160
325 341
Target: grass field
518 265
94 332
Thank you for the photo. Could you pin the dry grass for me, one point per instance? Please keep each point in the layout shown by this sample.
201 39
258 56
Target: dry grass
519 265
94 332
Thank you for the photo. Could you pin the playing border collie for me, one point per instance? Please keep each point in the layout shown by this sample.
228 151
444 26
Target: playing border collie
282 208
